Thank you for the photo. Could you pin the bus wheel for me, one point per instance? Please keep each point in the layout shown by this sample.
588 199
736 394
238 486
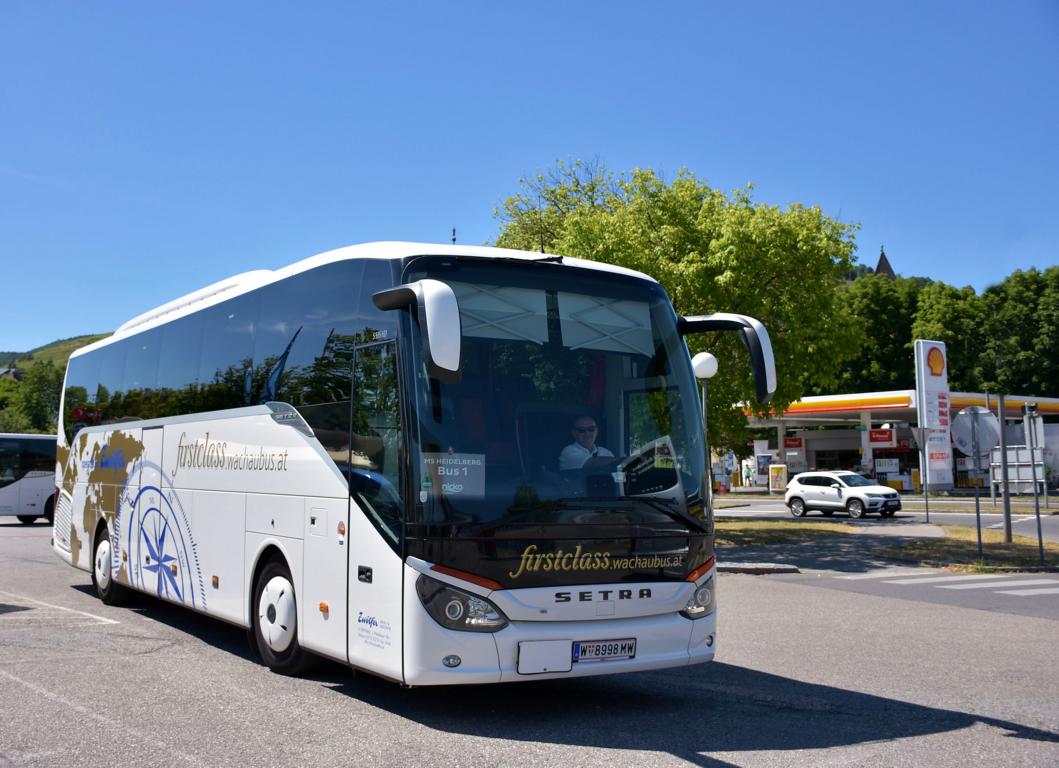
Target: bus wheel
108 590
49 510
276 621
26 519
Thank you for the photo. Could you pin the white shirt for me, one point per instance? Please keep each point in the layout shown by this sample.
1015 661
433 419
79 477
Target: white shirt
575 455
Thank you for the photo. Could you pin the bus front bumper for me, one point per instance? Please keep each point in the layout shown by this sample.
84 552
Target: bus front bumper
438 656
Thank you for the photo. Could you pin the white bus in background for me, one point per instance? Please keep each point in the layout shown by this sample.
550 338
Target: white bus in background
357 456
27 476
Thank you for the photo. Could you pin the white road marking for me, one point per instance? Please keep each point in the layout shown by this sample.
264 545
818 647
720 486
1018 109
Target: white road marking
945 579
1028 592
1014 520
100 619
105 720
1023 583
888 573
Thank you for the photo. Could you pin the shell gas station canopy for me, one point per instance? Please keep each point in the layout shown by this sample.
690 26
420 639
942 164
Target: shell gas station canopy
872 432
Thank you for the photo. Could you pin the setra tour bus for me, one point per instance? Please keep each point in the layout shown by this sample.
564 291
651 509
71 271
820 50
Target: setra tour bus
358 456
27 476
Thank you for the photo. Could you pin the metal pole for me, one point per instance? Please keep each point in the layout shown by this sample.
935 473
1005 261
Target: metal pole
1004 468
706 443
1044 480
977 509
992 485
1031 439
923 479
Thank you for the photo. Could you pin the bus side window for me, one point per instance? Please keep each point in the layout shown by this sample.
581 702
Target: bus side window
8 464
140 378
227 353
110 404
79 406
178 364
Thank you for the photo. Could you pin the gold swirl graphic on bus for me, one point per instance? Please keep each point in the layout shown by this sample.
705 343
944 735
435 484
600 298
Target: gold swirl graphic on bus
534 561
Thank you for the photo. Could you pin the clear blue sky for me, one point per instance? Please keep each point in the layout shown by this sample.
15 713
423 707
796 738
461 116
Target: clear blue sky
148 149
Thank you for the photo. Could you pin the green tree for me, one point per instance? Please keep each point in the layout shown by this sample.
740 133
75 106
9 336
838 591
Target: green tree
11 417
711 252
39 393
1019 346
954 316
885 308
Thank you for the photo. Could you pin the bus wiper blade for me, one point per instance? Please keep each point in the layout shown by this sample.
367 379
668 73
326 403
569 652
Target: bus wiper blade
671 509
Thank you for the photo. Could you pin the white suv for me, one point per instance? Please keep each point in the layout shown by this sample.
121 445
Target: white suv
831 491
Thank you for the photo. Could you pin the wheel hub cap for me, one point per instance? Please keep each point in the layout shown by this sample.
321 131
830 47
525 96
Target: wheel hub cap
103 564
276 614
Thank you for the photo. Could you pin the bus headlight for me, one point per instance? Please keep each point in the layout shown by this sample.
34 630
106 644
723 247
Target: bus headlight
455 609
701 602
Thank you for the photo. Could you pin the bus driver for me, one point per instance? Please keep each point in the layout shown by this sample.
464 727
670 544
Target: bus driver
584 452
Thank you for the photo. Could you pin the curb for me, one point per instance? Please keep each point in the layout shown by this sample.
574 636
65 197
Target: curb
757 569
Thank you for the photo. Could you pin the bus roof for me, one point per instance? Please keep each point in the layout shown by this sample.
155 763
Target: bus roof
393 250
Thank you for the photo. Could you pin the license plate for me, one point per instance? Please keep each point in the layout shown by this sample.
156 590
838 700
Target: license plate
604 650
895 504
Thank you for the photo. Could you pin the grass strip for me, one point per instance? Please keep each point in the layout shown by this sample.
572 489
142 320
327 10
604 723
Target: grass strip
960 548
737 532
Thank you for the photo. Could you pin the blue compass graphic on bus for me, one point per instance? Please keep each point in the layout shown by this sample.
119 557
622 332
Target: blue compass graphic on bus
161 563
162 554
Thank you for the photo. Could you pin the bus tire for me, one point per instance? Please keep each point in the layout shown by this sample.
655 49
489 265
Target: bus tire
27 519
49 510
108 590
275 620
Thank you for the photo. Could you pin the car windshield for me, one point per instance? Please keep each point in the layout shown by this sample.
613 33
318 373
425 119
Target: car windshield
576 404
855 481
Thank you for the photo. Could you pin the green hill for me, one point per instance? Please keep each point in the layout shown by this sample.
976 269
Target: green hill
57 352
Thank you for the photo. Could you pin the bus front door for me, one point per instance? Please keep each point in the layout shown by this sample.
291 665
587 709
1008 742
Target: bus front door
375 567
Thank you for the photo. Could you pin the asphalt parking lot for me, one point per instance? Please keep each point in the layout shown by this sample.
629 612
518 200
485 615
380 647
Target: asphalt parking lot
804 677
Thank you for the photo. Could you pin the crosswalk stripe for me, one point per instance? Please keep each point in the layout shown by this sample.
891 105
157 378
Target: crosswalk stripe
941 579
1023 583
1029 592
886 574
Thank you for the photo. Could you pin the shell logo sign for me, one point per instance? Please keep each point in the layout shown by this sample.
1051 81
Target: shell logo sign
933 409
936 361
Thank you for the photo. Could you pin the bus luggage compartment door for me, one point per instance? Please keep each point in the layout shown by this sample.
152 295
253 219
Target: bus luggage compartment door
326 543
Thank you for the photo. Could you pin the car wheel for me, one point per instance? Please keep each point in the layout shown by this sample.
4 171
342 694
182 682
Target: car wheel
108 590
26 519
827 512
887 513
855 507
275 621
797 507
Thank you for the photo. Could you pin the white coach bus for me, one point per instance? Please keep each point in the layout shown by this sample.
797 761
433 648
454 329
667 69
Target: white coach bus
27 476
358 456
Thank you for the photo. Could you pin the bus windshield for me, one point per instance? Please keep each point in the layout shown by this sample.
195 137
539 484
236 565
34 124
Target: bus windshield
576 405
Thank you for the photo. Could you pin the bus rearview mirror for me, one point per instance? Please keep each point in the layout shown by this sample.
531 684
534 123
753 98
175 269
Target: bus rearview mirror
756 338
439 323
